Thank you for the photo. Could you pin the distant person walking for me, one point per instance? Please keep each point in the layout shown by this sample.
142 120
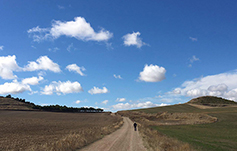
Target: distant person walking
135 126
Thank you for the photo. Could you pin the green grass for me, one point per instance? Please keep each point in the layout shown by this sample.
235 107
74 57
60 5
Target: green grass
219 136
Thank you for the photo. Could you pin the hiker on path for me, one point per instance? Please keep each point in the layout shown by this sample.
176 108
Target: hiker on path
135 126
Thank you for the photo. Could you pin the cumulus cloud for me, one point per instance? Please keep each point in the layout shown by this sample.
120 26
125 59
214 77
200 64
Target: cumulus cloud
152 73
124 106
14 87
120 99
1 47
42 63
32 80
79 29
176 91
8 64
96 90
133 39
78 101
222 85
105 102
75 68
62 88
117 76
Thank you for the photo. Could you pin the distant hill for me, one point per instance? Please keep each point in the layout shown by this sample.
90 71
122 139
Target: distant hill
11 103
8 103
212 101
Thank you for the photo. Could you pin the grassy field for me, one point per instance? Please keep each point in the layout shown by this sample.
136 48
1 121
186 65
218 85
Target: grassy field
218 136
34 130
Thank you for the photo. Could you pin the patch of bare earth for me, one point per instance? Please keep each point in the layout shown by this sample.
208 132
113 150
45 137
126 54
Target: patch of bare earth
31 130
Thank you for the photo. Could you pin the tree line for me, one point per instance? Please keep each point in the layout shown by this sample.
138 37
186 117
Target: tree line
58 108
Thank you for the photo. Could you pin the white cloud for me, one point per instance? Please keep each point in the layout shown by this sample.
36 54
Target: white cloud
196 92
105 102
1 47
70 47
96 90
117 76
193 39
219 87
62 87
7 66
14 88
42 63
42 34
152 73
193 59
32 80
61 7
176 91
42 73
74 67
232 94
222 85
120 99
53 49
48 89
133 39
79 29
78 101
124 106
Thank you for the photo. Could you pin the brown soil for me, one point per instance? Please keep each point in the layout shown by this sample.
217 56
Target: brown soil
31 130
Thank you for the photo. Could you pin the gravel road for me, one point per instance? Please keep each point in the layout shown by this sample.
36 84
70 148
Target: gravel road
124 139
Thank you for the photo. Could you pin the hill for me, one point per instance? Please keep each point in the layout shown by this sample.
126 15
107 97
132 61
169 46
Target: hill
212 101
176 127
8 103
11 103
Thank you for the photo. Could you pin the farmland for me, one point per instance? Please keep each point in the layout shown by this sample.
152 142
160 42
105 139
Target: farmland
217 136
38 130
176 128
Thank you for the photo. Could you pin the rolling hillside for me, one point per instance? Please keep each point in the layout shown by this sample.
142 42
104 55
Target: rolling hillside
213 136
8 103
212 101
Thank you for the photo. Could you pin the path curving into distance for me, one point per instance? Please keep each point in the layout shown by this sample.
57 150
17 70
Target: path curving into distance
124 139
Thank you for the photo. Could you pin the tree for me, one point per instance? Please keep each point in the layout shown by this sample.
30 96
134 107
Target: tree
9 96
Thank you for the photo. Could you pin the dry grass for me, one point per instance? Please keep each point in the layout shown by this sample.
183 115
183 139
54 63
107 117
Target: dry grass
30 130
11 104
157 141
210 107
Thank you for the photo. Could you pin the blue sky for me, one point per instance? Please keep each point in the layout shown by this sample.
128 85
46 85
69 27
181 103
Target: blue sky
118 54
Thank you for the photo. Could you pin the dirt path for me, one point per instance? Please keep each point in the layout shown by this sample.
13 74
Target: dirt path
124 139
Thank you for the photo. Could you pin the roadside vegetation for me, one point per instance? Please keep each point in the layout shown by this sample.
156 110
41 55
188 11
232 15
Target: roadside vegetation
205 124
